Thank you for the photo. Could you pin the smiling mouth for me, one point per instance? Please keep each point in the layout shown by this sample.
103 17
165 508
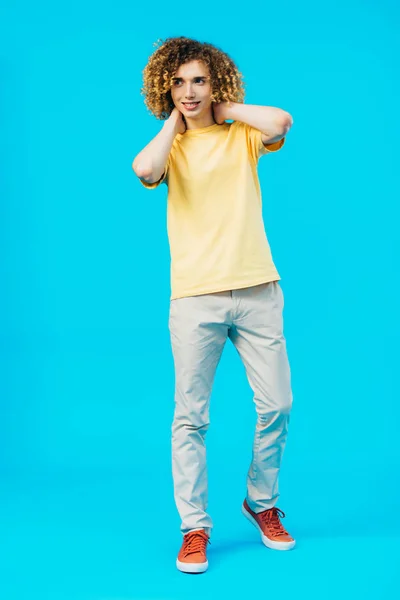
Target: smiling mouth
190 104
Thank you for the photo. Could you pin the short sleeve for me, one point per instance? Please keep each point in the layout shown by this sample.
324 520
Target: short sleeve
255 145
266 148
163 179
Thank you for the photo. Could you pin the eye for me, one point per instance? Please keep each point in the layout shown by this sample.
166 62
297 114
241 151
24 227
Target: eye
199 80
177 82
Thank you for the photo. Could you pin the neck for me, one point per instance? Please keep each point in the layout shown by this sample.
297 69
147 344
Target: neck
199 123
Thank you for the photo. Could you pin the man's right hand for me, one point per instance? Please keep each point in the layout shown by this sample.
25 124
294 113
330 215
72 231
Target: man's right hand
150 163
176 118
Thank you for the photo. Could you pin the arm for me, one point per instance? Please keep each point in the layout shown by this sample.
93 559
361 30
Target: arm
150 163
274 123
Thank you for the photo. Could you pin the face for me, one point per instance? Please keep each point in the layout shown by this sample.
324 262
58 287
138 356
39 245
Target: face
191 94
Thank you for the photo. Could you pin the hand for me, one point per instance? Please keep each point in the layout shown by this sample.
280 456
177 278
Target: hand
177 119
220 110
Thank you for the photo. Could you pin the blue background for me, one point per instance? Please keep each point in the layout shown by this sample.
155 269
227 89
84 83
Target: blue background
86 503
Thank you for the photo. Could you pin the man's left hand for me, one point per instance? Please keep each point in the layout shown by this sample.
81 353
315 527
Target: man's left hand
221 111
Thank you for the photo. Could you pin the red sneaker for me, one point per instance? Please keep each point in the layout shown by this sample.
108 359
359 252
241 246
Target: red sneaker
273 534
192 557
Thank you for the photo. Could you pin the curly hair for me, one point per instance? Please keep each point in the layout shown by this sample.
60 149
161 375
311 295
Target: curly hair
225 78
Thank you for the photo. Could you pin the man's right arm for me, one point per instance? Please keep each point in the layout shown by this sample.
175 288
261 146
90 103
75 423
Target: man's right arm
149 165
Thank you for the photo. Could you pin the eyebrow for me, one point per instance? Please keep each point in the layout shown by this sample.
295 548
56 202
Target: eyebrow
196 77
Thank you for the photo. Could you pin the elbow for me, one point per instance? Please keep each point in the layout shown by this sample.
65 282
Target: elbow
283 122
286 122
141 170
144 173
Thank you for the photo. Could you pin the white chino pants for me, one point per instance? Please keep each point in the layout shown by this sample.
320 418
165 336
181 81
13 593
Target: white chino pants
252 318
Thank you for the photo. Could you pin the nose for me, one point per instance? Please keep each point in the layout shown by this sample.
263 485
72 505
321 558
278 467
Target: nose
189 91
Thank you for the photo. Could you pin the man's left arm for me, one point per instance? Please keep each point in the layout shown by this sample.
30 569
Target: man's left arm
274 123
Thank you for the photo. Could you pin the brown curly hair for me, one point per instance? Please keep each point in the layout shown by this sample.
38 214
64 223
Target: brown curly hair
226 80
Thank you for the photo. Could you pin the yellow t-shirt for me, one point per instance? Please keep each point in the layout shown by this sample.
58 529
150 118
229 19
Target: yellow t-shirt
214 213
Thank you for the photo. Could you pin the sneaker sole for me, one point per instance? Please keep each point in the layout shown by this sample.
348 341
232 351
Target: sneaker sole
191 567
265 540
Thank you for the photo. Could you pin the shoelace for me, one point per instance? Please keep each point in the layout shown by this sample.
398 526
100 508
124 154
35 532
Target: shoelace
271 518
195 541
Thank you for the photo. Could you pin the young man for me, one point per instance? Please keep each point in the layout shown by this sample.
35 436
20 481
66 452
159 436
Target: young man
224 283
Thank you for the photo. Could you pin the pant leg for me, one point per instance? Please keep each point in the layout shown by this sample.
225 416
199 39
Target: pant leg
257 334
199 328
